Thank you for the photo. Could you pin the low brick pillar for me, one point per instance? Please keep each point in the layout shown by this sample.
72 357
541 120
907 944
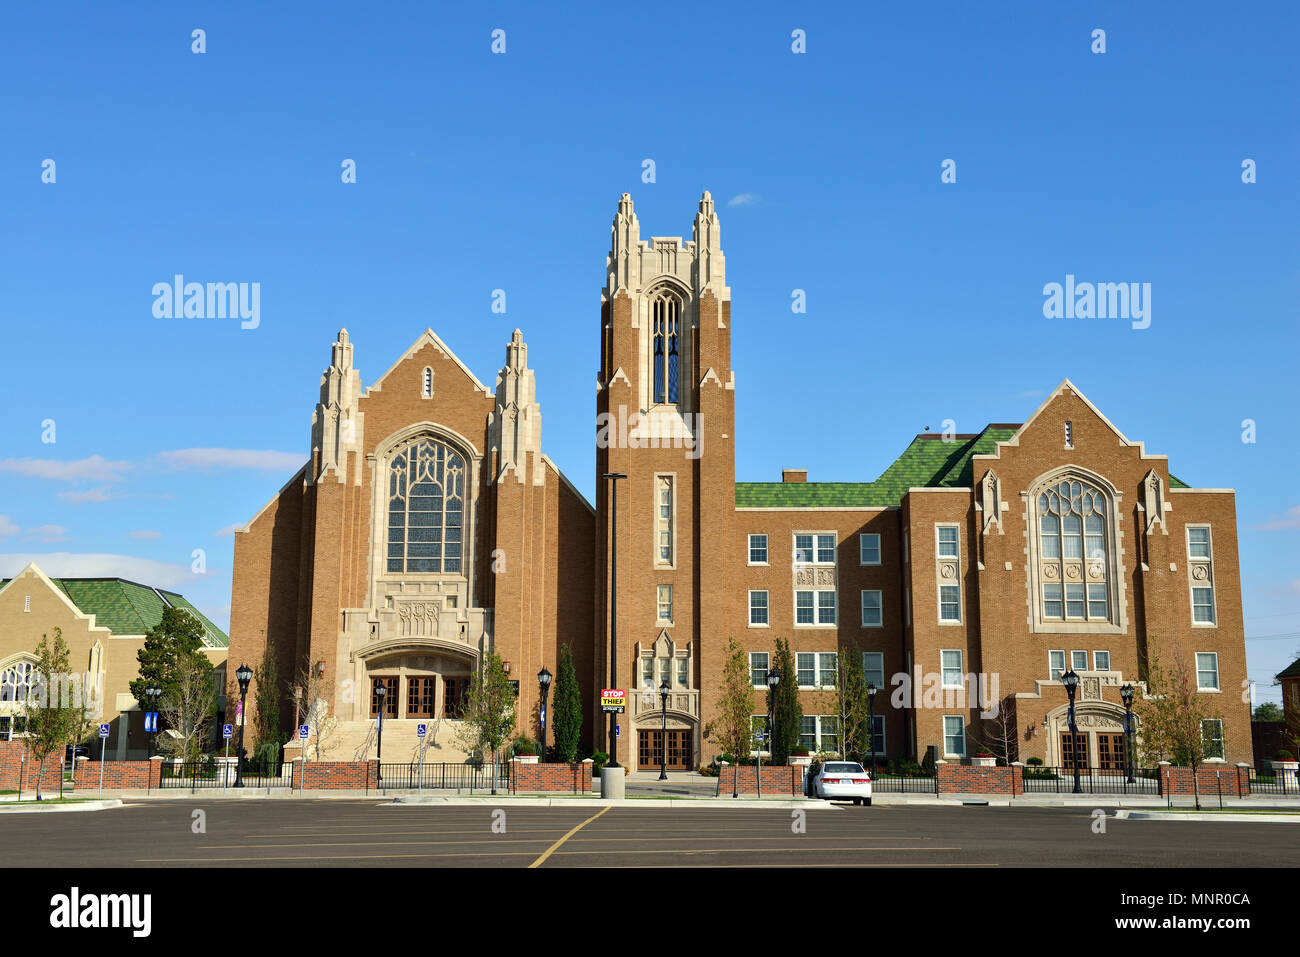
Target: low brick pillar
571 778
118 775
1243 780
339 775
780 780
967 779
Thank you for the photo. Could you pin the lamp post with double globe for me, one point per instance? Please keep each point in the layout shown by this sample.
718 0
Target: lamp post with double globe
544 682
1126 695
1071 682
245 677
663 739
871 723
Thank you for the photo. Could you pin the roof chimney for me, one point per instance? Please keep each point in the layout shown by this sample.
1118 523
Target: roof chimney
794 475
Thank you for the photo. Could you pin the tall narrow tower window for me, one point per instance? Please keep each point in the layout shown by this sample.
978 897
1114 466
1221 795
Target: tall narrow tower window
426 386
667 348
664 520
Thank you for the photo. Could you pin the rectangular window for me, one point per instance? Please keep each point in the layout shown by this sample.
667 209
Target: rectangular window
873 668
665 672
947 541
1073 601
952 674
647 672
758 668
1207 671
1053 604
804 610
27 603
1212 737
877 745
758 549
390 696
803 549
1198 541
683 672
825 549
830 733
869 549
1055 664
1079 660
954 736
1203 606
906 538
907 607
665 602
828 666
872 612
1101 661
664 520
455 695
806 665
758 608
826 608
808 732
1097 600
950 603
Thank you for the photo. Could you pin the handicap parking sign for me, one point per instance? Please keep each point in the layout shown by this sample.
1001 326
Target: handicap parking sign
420 730
227 730
103 731
303 730
618 731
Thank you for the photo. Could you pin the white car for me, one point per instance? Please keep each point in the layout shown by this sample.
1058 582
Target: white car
842 780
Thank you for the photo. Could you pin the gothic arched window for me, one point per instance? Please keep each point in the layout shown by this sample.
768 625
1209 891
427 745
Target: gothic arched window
1074 560
17 681
667 324
426 509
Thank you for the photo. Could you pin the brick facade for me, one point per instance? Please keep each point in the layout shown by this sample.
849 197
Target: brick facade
784 781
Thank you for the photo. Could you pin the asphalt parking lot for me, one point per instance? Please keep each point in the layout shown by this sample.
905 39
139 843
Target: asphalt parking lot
337 833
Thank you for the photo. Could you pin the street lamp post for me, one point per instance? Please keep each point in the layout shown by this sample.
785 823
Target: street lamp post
544 680
154 691
244 676
1126 695
773 679
1071 682
614 477
871 723
663 733
381 692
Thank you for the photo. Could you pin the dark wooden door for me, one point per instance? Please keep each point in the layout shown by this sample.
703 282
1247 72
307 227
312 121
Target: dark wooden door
1069 747
420 697
1110 753
649 754
390 697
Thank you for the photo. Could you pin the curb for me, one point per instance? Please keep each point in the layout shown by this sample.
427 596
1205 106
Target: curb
648 803
58 808
1200 816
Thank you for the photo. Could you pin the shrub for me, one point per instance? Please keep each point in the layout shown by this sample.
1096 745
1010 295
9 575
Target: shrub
598 761
1034 761
1283 755
523 745
909 769
708 770
799 751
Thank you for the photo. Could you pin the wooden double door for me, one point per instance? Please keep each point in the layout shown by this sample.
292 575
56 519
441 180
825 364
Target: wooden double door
649 753
1110 751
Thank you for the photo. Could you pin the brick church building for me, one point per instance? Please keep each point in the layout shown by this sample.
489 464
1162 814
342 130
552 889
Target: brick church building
428 526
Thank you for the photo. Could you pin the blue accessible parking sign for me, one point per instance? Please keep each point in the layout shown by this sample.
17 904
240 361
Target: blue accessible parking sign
227 730
303 730
103 731
421 730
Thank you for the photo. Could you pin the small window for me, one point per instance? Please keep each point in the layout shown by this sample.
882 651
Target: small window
27 603
1203 606
1069 434
1096 601
872 613
1053 605
826 549
758 549
954 736
906 539
878 735
828 666
808 732
1212 737
869 549
426 388
1207 671
1074 601
665 602
1055 664
949 603
758 608
804 610
947 541
952 673
682 672
1198 542
647 672
1101 661
806 665
803 549
826 608
1079 660
873 668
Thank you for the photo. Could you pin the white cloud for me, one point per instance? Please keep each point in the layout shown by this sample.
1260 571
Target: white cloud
94 469
743 199
143 533
264 459
1290 520
171 575
102 494
48 533
1030 394
8 527
228 531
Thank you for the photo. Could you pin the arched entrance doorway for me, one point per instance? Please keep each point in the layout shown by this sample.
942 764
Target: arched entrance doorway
1100 744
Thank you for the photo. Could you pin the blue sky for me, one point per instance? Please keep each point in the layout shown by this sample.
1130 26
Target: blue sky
479 171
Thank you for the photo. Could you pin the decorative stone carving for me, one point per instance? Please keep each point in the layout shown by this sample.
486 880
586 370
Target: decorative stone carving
1096 571
948 572
1051 572
1153 501
991 501
1090 689
417 618
1073 572
1200 572
516 424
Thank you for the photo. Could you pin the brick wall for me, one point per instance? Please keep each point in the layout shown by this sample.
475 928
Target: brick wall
1227 779
341 775
967 779
118 775
575 778
14 771
776 780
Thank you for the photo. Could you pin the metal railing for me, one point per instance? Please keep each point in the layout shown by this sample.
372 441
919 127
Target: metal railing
194 775
1039 779
443 777
1274 781
896 783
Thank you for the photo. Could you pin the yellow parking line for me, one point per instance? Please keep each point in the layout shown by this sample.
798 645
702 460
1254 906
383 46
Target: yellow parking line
551 850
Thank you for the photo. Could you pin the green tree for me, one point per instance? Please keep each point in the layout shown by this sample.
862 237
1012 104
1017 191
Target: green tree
267 698
734 707
1268 711
566 710
851 706
169 646
55 712
1173 715
786 707
489 718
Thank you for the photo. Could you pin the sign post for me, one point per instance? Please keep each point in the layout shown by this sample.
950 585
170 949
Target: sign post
420 731
227 732
103 740
303 731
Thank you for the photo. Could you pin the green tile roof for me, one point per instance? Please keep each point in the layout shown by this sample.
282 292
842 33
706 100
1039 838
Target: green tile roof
928 462
129 608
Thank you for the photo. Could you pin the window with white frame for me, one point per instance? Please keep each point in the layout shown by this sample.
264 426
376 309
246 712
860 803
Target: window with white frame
814 549
665 603
954 736
27 603
950 603
1079 661
817 669
664 520
952 672
828 666
1055 664
828 733
683 671
17 682
426 384
814 607
947 540
1207 671
1200 570
869 549
1101 661
758 608
808 732
1198 541
1203 606
805 664
759 664
1072 557
1212 737
873 668
758 549
878 735
872 610
647 671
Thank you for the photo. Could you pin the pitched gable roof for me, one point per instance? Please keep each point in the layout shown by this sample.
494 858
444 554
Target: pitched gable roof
428 338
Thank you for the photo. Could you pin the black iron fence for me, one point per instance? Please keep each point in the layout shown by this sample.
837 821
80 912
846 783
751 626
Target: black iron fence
1277 781
443 776
1039 779
196 775
922 782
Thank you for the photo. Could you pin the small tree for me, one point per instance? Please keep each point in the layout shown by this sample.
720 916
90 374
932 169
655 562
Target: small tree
317 691
735 705
852 707
187 707
997 734
489 719
566 710
786 707
266 700
1172 715
53 718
